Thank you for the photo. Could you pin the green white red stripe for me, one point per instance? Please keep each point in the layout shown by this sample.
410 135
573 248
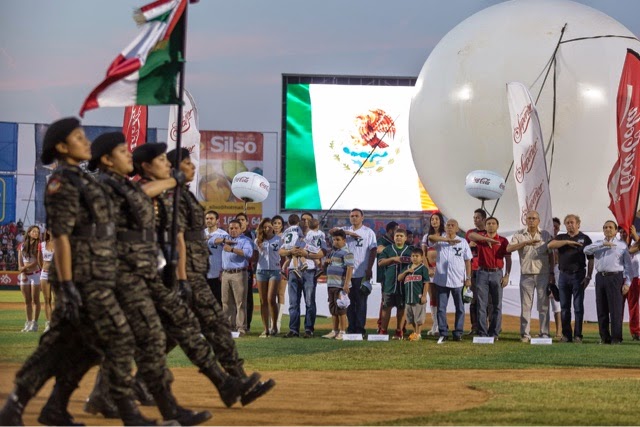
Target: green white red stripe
145 72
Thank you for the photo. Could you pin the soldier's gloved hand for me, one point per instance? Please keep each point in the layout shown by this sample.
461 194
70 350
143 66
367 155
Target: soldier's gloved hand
179 176
185 292
70 300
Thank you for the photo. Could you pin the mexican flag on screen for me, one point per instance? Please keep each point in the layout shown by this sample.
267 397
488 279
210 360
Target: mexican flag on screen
145 72
332 130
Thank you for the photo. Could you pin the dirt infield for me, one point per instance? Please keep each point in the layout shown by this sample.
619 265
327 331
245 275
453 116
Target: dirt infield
327 397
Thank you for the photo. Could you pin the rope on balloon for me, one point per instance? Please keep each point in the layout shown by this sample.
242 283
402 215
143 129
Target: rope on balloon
356 173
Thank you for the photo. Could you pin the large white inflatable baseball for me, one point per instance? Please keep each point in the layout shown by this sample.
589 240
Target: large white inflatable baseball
250 187
459 119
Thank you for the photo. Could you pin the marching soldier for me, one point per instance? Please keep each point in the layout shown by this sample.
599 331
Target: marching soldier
88 322
138 263
206 307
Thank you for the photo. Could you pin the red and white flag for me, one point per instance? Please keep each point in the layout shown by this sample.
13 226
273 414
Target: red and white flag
530 166
134 125
190 133
624 178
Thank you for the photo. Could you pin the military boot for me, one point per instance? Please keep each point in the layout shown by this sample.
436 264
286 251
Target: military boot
230 388
131 416
259 390
54 412
170 410
141 392
100 401
11 412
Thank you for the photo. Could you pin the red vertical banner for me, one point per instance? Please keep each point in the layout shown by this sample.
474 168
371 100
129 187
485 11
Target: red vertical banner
624 179
135 125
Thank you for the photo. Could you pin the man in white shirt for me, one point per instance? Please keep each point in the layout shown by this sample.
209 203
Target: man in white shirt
613 263
362 243
215 237
453 272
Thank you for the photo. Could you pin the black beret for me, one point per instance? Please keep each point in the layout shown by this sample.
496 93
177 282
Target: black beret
145 153
173 156
58 131
104 144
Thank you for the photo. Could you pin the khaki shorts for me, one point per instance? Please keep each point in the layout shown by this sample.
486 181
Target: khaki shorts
334 295
416 313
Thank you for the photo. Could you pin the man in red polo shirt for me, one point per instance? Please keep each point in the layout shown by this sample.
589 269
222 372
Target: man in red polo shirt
492 257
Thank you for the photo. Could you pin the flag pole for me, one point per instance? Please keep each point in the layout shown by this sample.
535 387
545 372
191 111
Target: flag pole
173 262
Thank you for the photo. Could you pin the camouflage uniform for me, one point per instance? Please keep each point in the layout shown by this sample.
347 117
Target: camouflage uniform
215 328
137 264
77 207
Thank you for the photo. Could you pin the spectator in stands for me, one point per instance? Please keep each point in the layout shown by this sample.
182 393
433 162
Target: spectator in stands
536 272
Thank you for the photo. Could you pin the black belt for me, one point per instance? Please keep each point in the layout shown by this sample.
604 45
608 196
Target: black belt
234 270
194 235
144 235
572 271
490 270
609 273
95 230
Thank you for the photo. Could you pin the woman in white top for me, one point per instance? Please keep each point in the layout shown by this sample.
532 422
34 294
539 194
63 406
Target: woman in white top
268 273
45 254
30 276
436 228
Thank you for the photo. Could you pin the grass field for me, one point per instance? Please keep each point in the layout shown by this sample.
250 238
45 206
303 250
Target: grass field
537 391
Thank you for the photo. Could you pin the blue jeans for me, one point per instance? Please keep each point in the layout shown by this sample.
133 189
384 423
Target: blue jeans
297 287
357 310
488 288
570 285
443 300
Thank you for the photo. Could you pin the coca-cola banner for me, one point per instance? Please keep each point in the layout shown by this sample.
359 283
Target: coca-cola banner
530 166
222 156
623 180
134 125
190 134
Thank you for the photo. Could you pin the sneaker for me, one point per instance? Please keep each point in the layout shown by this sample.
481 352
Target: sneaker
565 339
635 337
415 337
340 335
242 332
577 340
331 335
273 332
27 326
524 338
442 340
34 326
308 334
264 334
47 326
471 333
457 337
544 336
398 335
291 334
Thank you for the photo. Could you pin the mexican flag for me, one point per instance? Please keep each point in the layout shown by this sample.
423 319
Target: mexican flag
145 72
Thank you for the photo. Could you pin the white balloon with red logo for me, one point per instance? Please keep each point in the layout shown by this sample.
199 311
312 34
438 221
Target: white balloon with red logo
484 185
250 187
459 119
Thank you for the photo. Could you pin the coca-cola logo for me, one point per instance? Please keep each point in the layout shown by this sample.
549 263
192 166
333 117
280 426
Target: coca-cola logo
523 120
531 201
186 124
134 127
264 185
629 138
483 181
526 162
243 179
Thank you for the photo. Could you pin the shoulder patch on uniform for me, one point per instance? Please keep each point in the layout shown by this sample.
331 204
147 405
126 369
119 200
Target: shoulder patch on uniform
53 186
